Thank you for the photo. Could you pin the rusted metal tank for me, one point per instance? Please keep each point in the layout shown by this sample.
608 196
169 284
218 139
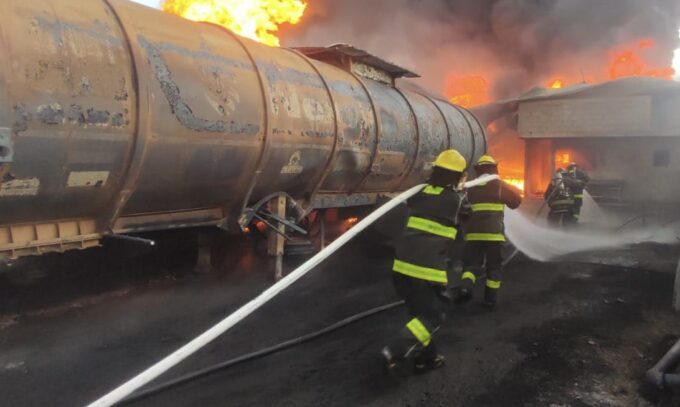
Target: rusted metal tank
117 118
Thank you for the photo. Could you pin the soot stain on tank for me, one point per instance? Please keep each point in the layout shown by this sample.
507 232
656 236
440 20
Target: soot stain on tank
179 108
51 114
97 116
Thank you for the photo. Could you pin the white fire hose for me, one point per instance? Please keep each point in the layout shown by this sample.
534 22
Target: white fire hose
208 336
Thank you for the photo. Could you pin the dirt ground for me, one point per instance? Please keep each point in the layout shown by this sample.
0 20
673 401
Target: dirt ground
567 333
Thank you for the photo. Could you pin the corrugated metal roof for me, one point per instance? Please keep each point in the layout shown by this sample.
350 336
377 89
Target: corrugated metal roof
620 87
631 86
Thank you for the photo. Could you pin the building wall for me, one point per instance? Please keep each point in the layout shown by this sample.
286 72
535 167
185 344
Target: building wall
665 114
601 117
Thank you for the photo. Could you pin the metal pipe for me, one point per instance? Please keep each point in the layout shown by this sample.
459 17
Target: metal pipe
133 239
658 376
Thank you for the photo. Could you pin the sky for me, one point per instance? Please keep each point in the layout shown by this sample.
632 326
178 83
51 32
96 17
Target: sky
676 59
150 3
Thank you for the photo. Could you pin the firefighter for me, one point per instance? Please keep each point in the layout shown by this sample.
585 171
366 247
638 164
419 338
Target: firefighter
420 264
579 179
484 232
559 196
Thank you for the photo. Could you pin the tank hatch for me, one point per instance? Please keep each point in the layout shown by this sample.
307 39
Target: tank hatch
358 62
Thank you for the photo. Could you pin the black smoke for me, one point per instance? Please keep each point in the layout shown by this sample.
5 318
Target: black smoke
516 43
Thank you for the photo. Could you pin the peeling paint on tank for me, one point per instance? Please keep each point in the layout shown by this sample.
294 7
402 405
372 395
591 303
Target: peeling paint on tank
118 120
289 76
56 30
196 55
285 100
21 119
179 108
20 187
51 114
76 115
85 85
87 179
97 117
316 111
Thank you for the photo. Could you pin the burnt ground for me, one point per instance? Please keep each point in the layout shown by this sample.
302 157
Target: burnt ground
568 333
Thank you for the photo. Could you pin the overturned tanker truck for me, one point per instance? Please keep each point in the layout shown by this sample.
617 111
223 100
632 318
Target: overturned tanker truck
116 118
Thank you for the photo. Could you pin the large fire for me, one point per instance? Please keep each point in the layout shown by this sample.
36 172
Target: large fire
467 91
623 61
255 19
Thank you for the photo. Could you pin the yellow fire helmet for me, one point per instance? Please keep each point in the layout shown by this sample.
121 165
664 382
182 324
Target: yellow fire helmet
486 160
451 160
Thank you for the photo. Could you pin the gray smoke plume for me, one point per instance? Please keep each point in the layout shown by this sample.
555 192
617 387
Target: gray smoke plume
516 44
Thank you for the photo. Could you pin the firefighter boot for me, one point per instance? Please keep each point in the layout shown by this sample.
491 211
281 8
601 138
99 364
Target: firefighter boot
490 297
466 288
394 364
428 359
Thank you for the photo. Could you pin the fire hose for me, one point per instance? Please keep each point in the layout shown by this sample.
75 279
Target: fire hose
221 327
257 354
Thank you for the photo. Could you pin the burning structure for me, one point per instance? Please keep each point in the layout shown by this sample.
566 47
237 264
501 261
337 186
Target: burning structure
625 133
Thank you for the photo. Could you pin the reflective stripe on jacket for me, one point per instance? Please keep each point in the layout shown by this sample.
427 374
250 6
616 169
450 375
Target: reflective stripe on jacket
430 233
488 202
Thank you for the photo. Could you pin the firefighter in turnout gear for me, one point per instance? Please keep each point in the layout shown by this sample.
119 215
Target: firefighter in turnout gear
484 232
579 180
559 196
420 266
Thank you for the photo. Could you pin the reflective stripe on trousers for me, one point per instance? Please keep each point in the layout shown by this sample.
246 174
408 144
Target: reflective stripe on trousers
468 275
419 331
493 284
430 226
420 272
485 237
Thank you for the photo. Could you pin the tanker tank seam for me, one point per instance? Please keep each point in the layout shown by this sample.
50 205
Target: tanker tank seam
472 133
418 141
330 162
441 112
378 131
480 127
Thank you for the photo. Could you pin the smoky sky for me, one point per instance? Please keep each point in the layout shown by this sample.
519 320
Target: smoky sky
515 43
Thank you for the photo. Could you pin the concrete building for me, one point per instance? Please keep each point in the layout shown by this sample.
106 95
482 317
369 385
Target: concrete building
624 133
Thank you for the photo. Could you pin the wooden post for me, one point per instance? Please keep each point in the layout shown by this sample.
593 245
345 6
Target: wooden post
275 241
204 257
676 292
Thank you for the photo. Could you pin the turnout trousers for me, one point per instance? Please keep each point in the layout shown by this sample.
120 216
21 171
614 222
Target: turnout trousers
476 254
425 312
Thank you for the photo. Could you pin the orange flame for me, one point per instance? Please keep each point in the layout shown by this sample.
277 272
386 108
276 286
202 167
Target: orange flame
631 62
515 182
467 91
255 19
624 61
556 84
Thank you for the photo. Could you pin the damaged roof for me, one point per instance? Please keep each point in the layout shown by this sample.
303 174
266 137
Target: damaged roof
631 86
359 55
